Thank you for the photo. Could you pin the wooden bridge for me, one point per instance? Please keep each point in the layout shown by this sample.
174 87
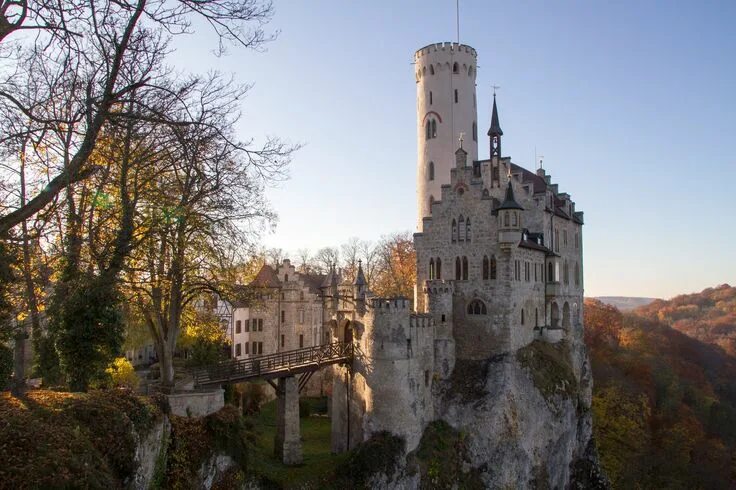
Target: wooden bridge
303 361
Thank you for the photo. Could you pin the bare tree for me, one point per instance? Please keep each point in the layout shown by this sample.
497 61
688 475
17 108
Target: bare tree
326 258
79 60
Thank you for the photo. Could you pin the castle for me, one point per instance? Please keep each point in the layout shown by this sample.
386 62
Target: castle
499 264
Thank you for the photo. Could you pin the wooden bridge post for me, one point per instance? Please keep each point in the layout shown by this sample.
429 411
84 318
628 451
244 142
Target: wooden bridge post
287 442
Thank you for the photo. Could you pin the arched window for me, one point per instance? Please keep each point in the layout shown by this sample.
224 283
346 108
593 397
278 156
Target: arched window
516 219
456 96
493 267
461 229
458 269
577 274
477 307
506 219
438 268
434 128
431 269
431 69
428 130
454 230
522 316
555 315
565 273
430 171
455 68
486 268
470 71
430 96
550 273
475 131
467 230
465 268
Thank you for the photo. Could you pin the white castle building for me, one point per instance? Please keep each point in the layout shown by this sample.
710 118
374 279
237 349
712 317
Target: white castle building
499 264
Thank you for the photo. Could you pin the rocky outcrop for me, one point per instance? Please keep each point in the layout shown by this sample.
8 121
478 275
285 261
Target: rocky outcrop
150 455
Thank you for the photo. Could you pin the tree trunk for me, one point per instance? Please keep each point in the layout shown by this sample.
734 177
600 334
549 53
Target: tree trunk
19 364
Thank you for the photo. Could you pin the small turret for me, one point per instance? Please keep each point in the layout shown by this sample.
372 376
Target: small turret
495 131
359 287
510 215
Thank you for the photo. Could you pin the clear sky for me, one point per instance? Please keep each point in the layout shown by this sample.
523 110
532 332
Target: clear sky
633 105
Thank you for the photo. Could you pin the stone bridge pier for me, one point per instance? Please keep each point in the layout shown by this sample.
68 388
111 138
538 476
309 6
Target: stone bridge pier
288 442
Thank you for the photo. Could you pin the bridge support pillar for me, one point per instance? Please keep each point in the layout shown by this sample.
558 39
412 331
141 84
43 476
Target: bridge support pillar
288 443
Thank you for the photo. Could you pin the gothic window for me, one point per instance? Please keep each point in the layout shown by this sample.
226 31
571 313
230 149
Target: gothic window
493 267
431 69
430 171
550 273
475 131
522 316
577 274
438 268
465 268
431 269
434 128
458 269
565 273
455 68
486 268
515 221
564 238
461 228
430 96
477 307
428 130
506 219
456 96
467 230
454 230
470 71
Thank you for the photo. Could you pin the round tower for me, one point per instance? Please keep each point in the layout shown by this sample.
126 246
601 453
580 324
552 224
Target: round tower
446 106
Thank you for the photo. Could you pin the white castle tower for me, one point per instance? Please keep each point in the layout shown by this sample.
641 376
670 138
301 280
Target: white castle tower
446 107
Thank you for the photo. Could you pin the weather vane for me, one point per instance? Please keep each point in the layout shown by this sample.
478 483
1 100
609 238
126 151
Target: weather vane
495 87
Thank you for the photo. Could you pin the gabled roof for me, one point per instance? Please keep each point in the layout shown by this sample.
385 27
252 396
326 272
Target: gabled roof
538 184
313 281
266 278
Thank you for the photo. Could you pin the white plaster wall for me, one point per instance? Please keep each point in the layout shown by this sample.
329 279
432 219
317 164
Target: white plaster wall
452 118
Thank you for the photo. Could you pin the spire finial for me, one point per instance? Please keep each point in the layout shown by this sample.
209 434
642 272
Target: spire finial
494 89
461 138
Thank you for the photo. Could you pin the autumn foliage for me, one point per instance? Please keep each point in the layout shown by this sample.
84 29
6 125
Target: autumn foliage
664 404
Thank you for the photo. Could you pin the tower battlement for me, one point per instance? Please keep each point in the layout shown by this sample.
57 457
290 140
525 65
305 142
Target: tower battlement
438 287
420 320
389 305
446 46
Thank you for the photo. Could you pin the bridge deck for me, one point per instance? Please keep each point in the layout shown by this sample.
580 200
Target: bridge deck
269 366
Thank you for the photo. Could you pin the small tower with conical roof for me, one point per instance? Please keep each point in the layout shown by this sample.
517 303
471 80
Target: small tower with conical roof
495 131
510 215
359 288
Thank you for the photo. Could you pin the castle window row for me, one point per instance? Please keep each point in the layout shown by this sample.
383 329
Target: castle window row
556 246
530 269
256 323
435 269
460 230
461 269
257 348
455 69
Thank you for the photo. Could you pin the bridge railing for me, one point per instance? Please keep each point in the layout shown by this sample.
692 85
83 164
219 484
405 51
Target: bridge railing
257 366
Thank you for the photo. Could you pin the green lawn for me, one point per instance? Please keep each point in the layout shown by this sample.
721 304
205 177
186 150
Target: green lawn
319 463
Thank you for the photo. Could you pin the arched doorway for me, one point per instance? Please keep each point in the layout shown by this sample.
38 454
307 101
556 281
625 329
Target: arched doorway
555 315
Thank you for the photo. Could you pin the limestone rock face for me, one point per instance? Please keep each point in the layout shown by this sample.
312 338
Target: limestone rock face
516 420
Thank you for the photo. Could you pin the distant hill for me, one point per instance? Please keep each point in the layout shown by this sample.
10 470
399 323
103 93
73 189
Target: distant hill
625 303
709 316
664 404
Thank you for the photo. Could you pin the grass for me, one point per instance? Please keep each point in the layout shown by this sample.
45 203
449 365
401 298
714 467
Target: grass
319 463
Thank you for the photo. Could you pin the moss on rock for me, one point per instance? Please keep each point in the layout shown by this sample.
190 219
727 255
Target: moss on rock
550 368
378 455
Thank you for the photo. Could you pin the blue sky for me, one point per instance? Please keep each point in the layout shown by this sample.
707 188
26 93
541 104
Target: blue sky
633 105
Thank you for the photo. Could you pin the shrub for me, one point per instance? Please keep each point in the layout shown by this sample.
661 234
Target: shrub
379 454
121 373
550 368
442 457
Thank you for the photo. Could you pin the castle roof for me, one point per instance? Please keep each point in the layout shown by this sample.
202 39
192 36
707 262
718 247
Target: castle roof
266 278
510 201
313 281
538 184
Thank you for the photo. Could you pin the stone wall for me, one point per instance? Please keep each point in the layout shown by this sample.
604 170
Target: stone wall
196 403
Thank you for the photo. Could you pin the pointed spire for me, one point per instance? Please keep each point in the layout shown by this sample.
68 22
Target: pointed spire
510 201
495 125
359 277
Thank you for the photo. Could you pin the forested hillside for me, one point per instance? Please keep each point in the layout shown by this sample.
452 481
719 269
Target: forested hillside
664 404
709 316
